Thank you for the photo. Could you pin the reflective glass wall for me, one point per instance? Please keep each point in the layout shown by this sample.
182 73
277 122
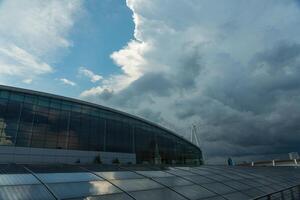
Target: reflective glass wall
31 120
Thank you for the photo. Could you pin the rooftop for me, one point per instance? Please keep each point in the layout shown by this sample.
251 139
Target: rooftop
140 182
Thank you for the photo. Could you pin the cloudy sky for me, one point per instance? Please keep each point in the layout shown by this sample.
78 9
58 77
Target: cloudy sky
231 67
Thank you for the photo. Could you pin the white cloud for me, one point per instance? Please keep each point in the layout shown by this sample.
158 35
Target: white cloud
131 61
27 81
33 34
227 64
67 82
91 75
15 61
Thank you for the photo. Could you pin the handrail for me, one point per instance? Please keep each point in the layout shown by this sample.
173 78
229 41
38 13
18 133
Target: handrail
269 196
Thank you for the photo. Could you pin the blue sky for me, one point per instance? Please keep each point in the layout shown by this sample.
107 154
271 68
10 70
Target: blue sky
105 27
99 28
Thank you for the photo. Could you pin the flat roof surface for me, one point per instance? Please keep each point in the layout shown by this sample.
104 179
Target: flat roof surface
142 183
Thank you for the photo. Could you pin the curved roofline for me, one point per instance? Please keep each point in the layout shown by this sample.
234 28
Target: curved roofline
34 92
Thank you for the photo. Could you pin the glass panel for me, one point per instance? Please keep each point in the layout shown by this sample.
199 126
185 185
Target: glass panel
3 105
201 172
68 177
66 106
4 94
250 182
253 192
119 196
161 194
76 107
218 188
154 173
236 196
199 179
43 101
25 192
118 137
136 184
17 179
166 145
17 97
218 177
119 175
144 145
82 189
267 189
231 176
194 192
237 185
97 133
13 111
173 181
30 99
55 104
215 198
180 172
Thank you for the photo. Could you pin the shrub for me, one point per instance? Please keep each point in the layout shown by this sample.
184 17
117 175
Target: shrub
98 159
116 161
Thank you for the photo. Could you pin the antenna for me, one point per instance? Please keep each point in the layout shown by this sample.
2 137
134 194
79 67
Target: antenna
193 136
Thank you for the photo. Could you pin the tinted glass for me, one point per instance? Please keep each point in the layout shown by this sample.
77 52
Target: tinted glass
136 184
82 189
194 192
17 179
68 177
39 121
119 175
160 194
118 137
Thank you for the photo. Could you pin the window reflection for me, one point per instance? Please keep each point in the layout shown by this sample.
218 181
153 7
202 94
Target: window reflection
37 121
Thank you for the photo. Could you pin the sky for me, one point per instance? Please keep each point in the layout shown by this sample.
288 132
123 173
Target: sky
231 67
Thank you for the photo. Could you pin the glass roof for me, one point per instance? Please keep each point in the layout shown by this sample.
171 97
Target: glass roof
142 183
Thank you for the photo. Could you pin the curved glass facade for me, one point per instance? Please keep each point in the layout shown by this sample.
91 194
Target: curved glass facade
38 120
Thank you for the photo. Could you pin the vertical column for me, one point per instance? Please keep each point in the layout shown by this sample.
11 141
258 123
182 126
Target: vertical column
68 130
133 138
18 126
32 124
104 142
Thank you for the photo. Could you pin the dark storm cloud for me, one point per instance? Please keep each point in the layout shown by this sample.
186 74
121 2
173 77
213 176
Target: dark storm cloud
155 84
261 114
232 68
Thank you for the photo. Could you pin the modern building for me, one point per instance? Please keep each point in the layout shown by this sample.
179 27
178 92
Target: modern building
48 142
36 127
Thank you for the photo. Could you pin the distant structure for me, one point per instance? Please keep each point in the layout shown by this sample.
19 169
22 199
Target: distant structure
157 157
193 136
230 162
294 155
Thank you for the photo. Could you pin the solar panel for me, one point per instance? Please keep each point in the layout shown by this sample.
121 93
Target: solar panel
173 181
25 192
154 173
72 182
136 184
118 175
68 177
158 194
82 189
17 179
194 192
